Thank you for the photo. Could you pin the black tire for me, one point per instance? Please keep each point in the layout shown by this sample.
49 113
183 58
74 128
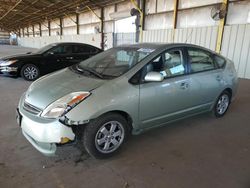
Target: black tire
94 132
218 110
30 72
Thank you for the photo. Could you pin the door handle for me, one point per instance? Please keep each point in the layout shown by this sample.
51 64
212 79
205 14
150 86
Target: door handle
184 85
218 78
69 57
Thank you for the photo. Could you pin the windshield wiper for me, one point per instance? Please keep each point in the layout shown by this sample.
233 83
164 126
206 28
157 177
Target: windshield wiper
82 69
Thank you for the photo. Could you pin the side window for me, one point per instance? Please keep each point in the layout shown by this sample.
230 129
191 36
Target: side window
83 49
155 65
61 50
169 64
173 63
220 61
200 60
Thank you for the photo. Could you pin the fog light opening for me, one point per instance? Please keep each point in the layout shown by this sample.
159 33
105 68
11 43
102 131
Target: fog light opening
64 140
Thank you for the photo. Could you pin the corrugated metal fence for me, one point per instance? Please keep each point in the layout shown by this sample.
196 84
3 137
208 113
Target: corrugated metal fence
205 36
123 38
165 35
235 44
38 42
4 37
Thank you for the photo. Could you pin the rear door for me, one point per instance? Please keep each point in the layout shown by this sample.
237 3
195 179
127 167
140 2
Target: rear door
82 52
205 77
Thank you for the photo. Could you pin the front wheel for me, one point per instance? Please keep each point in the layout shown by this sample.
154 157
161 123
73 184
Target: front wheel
30 72
104 136
222 104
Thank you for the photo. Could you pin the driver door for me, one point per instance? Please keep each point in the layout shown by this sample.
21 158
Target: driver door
164 101
58 57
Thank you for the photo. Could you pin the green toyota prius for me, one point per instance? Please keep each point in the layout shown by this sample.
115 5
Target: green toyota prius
124 90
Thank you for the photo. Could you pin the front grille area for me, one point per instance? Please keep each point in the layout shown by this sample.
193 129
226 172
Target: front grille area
30 108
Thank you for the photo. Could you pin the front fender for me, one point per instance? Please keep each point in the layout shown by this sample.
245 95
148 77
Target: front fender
111 96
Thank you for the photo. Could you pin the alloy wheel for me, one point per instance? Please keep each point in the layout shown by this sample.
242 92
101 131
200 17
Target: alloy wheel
109 137
30 72
222 104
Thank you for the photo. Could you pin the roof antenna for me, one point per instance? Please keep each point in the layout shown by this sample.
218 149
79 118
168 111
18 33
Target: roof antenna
189 35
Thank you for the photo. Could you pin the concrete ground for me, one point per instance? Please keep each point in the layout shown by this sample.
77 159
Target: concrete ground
6 50
202 152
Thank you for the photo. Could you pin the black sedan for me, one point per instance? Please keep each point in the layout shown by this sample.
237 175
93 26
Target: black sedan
47 59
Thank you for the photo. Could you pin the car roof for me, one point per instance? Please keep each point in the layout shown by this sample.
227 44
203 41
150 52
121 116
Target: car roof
157 46
71 43
144 45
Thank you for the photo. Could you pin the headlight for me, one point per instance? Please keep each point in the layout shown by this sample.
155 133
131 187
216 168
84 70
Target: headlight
64 104
7 62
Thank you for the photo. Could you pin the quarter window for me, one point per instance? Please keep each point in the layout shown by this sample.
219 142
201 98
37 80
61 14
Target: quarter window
200 60
220 61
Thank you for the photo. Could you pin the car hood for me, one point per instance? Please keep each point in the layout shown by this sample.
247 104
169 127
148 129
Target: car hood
20 56
49 88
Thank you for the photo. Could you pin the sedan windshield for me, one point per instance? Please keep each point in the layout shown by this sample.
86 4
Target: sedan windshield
114 62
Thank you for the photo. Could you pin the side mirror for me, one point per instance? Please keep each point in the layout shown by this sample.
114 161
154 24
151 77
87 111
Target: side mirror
154 77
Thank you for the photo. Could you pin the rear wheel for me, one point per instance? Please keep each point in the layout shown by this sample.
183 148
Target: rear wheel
104 136
222 104
30 72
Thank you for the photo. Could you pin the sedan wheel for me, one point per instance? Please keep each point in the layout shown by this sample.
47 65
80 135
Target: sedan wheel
30 72
109 137
104 136
222 104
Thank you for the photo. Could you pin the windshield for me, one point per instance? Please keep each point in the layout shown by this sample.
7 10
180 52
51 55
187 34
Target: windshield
45 48
114 62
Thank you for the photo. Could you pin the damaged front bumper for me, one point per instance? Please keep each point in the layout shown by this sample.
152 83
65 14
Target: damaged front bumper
43 134
48 149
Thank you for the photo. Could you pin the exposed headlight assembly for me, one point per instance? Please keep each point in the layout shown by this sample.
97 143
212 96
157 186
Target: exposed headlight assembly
7 62
64 104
